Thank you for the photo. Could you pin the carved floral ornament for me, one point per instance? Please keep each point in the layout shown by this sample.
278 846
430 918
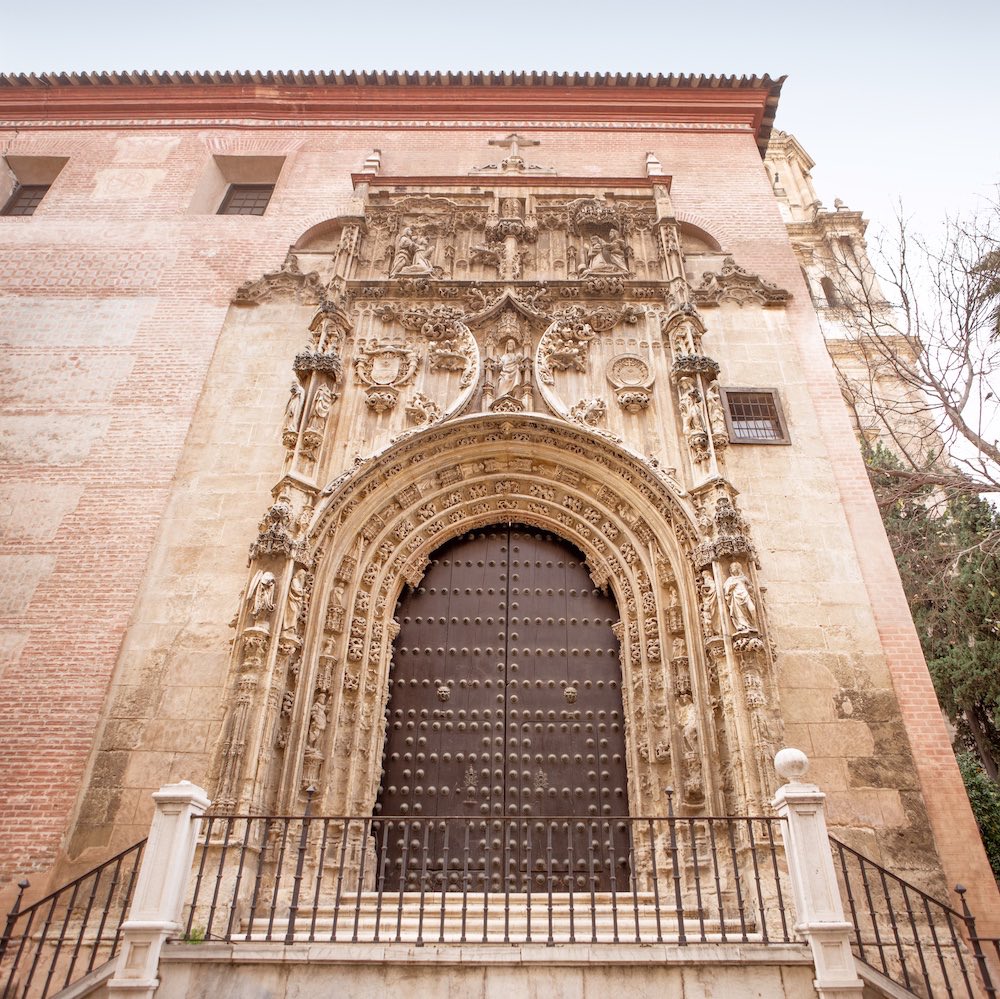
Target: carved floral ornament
286 282
736 284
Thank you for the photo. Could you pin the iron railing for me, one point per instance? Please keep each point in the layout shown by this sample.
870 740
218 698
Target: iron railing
907 935
491 879
63 937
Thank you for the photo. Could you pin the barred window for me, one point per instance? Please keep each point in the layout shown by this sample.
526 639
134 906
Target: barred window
246 199
754 416
25 199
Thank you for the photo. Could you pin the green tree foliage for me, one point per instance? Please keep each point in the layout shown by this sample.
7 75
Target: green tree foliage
984 796
949 563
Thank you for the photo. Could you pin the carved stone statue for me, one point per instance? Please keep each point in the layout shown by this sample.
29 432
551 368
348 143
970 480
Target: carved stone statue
412 255
687 716
692 417
261 597
293 409
709 604
293 603
605 256
716 416
509 373
322 404
739 600
317 719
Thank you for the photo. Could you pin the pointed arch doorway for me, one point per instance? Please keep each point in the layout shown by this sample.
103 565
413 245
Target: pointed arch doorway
504 712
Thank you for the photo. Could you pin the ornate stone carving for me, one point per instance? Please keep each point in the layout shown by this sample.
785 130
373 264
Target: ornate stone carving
384 368
422 411
632 377
329 328
274 537
286 282
589 412
735 284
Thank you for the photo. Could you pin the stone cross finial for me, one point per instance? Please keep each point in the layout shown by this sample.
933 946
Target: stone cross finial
515 141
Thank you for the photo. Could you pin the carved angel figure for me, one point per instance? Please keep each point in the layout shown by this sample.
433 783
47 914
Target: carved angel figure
261 597
412 255
739 600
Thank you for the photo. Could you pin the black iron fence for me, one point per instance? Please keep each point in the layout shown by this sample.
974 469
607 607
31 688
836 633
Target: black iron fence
491 879
910 937
63 937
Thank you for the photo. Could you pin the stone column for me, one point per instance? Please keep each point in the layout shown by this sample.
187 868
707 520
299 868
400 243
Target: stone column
818 906
159 895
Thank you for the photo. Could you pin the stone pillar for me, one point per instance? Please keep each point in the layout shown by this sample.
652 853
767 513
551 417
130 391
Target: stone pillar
159 894
818 906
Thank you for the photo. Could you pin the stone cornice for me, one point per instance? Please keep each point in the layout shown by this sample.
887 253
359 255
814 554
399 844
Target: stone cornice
748 102
480 181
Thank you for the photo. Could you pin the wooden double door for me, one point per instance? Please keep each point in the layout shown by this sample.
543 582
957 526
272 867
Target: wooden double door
505 752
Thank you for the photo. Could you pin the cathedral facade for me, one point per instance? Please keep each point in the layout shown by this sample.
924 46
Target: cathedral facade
418 444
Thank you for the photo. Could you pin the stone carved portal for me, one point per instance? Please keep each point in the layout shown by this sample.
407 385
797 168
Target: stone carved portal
308 702
505 703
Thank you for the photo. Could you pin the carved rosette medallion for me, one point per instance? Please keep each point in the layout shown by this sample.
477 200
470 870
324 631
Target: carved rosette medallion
632 378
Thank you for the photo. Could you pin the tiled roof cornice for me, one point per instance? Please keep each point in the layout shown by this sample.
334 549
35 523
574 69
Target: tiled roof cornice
689 98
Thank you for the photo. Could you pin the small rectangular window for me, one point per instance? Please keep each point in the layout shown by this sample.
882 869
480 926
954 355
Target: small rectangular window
754 416
25 199
246 199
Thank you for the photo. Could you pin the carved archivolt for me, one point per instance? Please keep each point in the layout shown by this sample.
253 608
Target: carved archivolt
311 675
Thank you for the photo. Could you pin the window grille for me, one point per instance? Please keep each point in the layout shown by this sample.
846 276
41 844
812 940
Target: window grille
246 199
754 416
25 199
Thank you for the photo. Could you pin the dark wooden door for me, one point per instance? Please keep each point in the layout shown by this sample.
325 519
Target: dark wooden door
504 711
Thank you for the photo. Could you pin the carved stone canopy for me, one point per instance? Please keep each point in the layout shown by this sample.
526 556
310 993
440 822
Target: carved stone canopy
286 282
736 284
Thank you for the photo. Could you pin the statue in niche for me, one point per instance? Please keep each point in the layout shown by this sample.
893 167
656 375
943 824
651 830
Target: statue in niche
687 716
261 597
317 719
605 256
692 417
293 603
322 404
709 604
739 600
509 372
293 409
412 255
716 416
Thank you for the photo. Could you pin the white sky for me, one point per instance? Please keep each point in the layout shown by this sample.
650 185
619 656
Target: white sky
892 99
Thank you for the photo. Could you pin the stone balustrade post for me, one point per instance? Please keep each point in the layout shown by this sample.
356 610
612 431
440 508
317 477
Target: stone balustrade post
156 908
818 906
